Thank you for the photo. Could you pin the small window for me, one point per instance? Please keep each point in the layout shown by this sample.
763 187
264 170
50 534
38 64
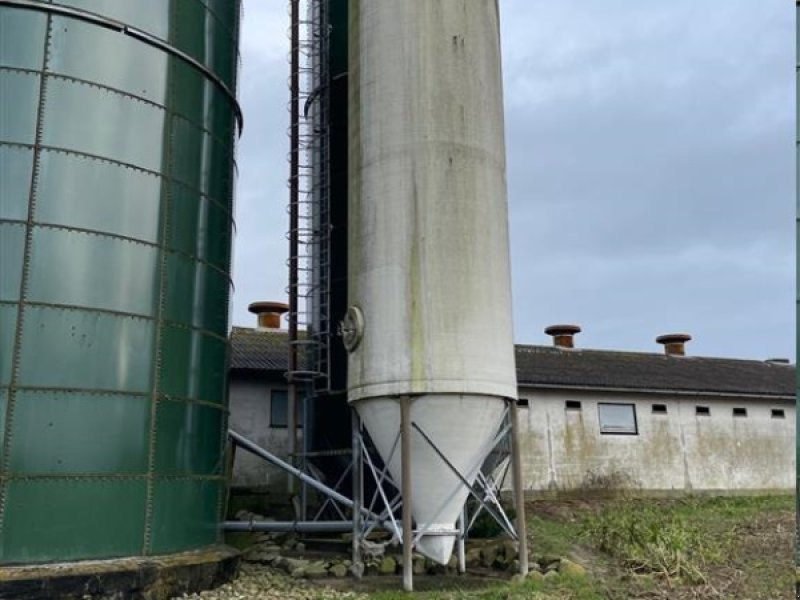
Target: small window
660 409
522 402
702 411
617 418
572 405
279 409
778 413
739 412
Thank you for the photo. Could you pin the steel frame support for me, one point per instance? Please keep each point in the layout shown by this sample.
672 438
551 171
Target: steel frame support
462 541
405 490
358 494
484 490
364 519
254 448
519 491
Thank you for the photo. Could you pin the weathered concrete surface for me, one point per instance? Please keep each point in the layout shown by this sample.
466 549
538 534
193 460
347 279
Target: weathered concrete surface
152 578
428 223
677 451
564 451
249 400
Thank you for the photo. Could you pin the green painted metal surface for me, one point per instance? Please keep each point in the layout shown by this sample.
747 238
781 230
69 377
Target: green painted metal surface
116 183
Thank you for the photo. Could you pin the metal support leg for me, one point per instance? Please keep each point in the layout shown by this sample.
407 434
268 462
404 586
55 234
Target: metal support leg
405 457
358 489
462 538
519 493
292 427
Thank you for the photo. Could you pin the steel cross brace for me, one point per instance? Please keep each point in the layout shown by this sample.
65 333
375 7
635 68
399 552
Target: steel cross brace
495 511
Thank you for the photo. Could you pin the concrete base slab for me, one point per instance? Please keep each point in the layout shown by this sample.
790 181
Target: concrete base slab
139 578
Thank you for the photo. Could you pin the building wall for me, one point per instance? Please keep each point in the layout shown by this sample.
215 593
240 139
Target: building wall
250 400
680 450
564 450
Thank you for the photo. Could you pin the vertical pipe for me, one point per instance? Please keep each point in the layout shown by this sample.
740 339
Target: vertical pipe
405 457
291 425
231 461
519 493
358 490
462 538
304 465
294 215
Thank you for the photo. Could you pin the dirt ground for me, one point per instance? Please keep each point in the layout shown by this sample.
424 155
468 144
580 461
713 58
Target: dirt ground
743 549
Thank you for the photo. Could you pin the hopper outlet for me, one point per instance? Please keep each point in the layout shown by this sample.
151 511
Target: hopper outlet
463 429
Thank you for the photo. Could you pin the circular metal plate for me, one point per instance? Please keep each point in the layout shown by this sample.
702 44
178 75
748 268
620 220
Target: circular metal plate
352 328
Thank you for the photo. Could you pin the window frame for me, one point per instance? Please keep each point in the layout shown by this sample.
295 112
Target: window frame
299 406
606 431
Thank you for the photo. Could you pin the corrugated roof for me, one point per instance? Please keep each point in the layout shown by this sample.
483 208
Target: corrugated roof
259 350
549 366
546 366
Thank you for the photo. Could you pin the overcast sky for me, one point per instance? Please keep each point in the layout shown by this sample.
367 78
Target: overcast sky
650 152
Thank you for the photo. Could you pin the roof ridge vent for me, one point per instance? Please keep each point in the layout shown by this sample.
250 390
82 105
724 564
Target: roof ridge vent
563 335
674 343
268 313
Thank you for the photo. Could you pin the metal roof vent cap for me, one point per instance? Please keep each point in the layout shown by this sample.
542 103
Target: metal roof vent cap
268 313
563 335
674 343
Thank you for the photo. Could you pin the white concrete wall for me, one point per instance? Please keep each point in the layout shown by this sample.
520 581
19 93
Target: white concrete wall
564 450
250 416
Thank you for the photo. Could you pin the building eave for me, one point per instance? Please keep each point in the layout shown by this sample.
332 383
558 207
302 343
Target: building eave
664 392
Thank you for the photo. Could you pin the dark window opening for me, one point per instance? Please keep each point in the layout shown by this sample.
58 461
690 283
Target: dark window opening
660 408
522 402
279 409
702 411
739 412
778 413
619 419
572 405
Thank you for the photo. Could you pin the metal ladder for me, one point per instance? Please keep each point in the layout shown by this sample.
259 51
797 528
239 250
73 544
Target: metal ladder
309 233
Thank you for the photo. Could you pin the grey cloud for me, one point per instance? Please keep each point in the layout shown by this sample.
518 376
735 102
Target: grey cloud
650 170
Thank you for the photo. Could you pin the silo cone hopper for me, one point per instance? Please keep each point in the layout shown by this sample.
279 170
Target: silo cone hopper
463 428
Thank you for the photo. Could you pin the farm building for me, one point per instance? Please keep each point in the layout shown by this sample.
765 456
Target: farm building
662 421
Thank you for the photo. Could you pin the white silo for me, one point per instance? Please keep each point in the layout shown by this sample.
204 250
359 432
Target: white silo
429 282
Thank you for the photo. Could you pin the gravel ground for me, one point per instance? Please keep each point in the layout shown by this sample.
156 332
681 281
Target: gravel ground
263 583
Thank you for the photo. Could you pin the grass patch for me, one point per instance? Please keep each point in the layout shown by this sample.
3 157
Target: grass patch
694 546
648 539
552 537
553 588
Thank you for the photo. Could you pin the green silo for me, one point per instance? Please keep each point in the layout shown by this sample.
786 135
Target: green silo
117 127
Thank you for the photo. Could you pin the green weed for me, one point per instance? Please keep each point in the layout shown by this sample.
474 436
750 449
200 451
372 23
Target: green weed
649 539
